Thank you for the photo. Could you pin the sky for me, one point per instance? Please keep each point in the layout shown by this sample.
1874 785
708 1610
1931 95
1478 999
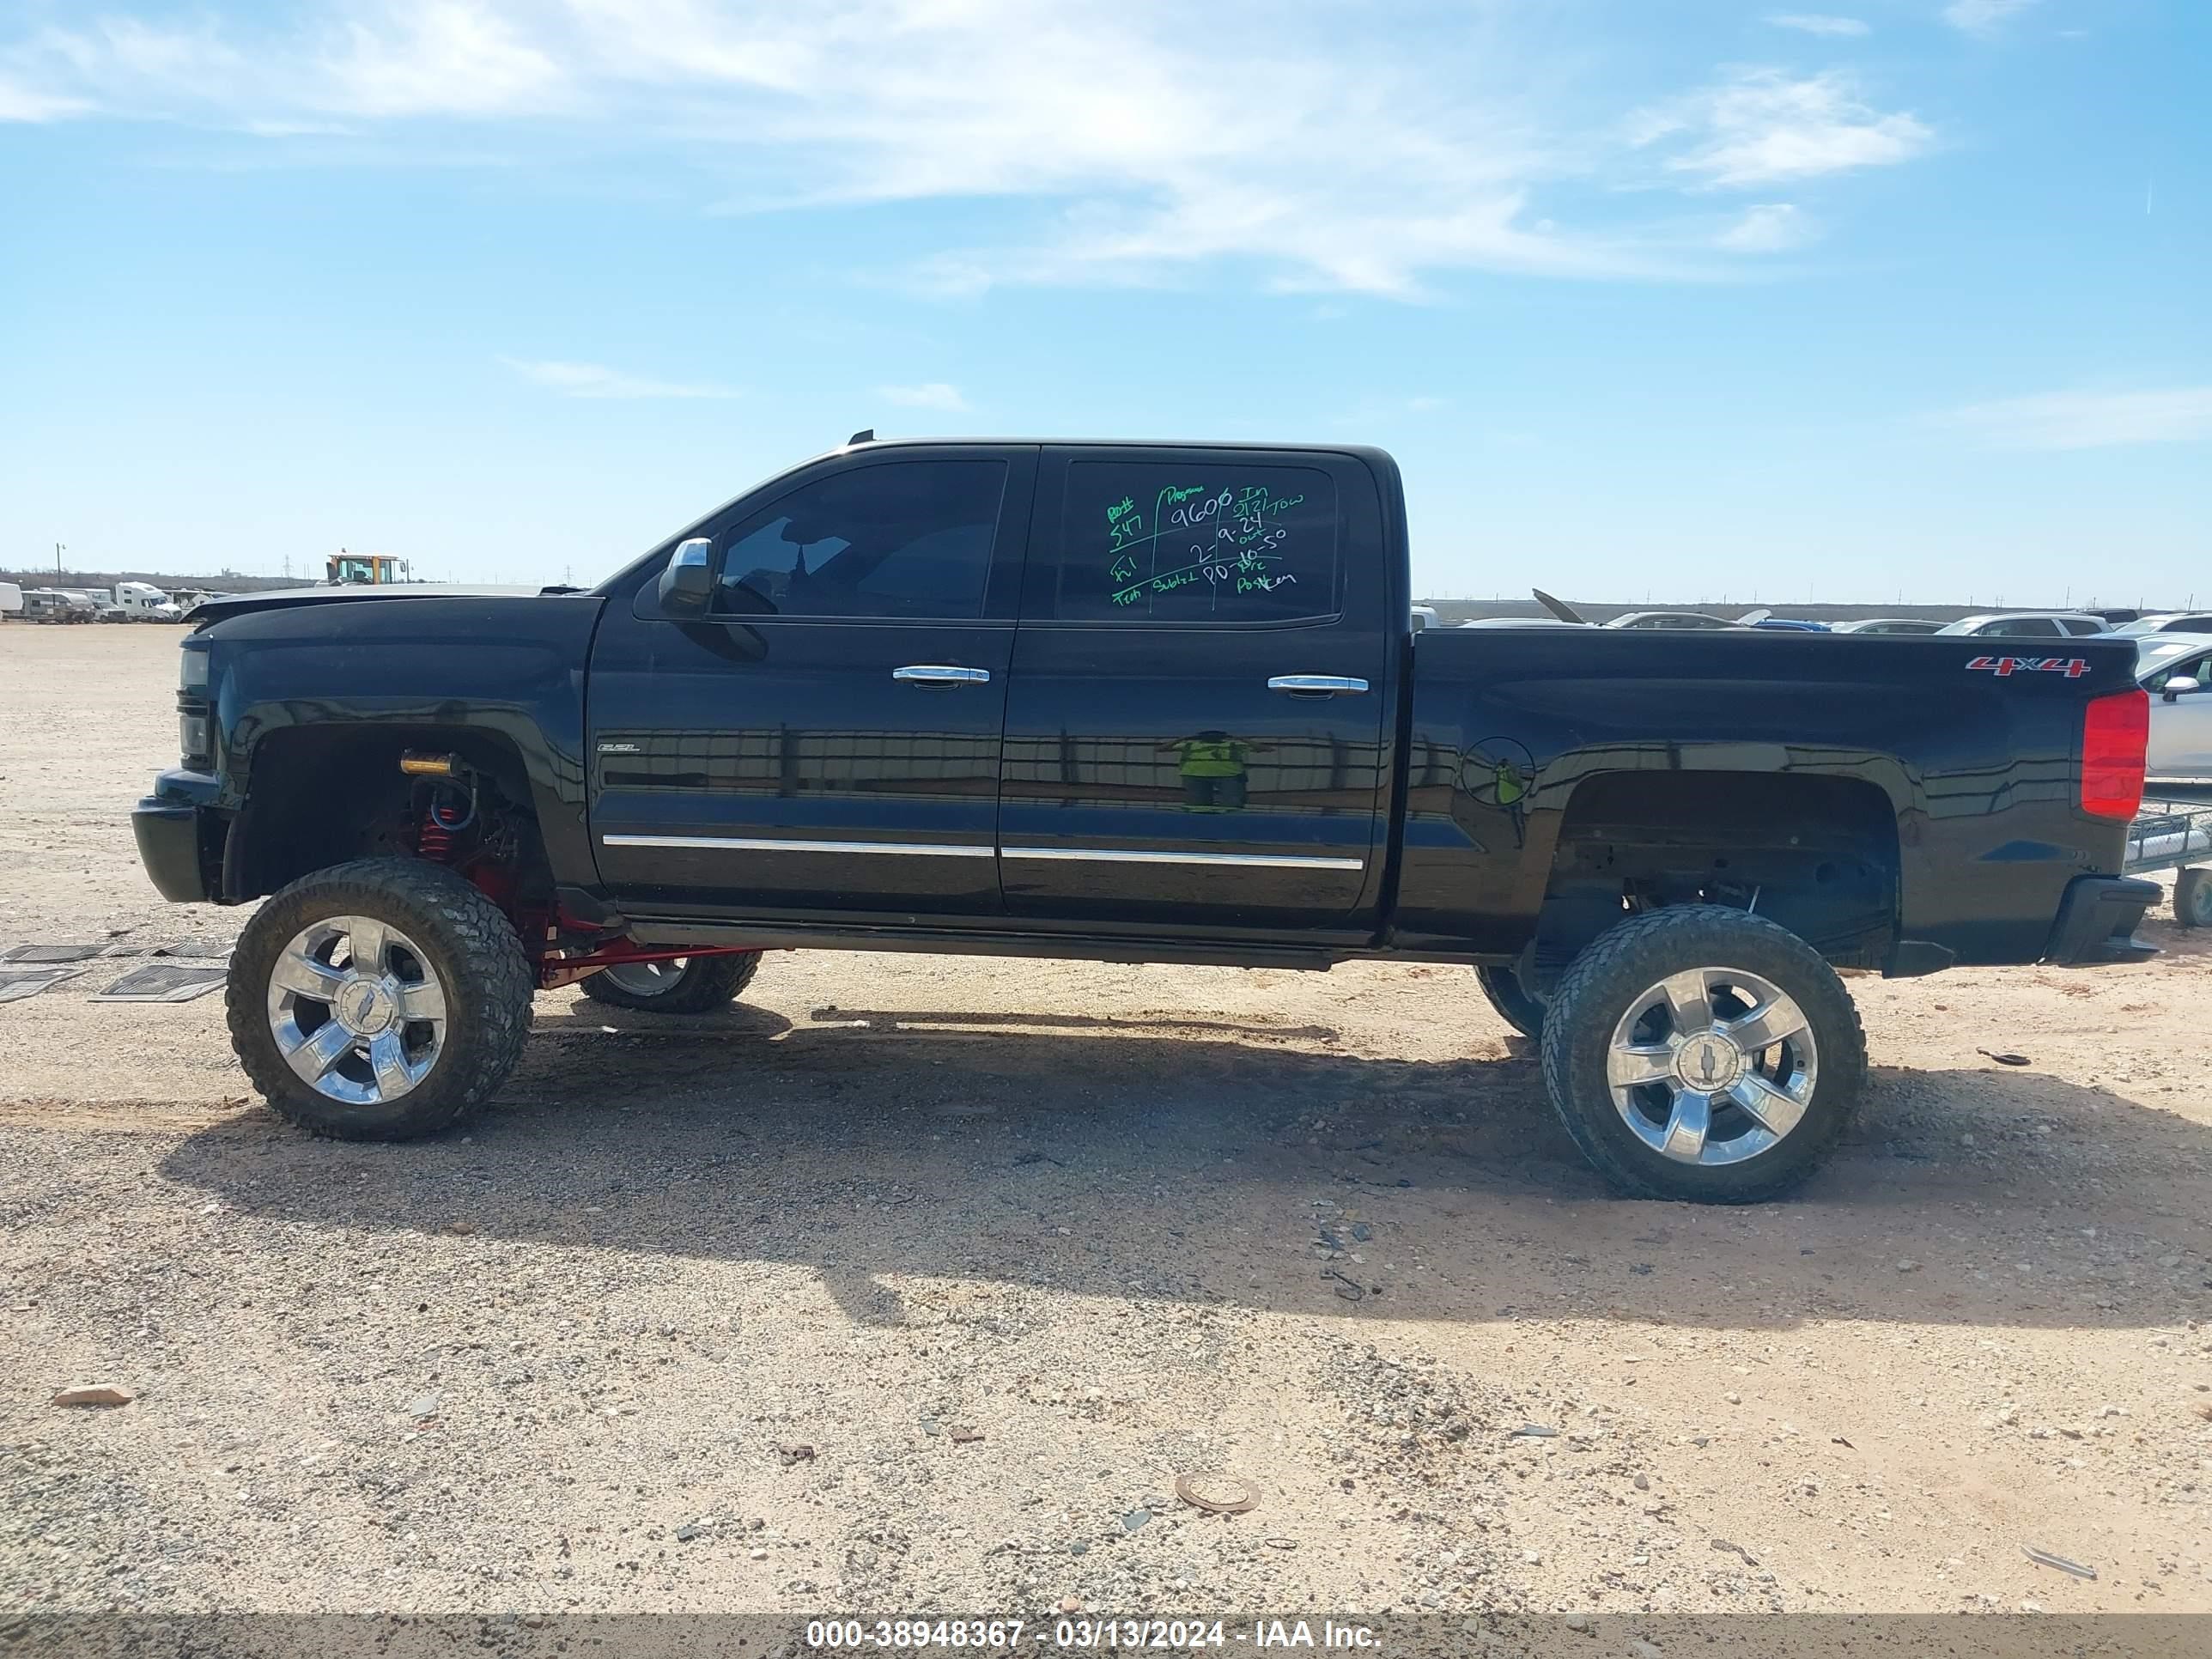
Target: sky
1668 298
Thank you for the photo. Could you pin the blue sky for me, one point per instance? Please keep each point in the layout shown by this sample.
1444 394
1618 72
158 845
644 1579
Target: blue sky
1691 299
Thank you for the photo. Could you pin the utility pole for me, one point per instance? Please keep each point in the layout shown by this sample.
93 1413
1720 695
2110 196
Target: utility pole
57 558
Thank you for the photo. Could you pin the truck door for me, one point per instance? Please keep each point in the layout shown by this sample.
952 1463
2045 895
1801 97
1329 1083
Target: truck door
827 739
1195 728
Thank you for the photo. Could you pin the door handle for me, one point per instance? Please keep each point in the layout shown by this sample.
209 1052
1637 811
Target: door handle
1317 685
933 673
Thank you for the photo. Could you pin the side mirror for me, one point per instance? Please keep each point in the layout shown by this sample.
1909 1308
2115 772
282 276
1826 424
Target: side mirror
688 583
2178 688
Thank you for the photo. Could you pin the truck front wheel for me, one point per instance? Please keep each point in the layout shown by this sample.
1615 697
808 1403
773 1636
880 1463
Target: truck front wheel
378 1000
1704 1054
688 985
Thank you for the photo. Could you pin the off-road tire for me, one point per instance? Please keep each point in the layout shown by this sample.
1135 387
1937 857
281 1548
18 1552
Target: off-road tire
475 952
1515 1005
1622 964
704 985
2192 899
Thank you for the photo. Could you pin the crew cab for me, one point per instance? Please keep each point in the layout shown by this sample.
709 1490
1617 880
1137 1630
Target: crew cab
1134 703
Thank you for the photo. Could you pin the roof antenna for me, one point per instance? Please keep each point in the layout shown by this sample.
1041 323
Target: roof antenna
865 435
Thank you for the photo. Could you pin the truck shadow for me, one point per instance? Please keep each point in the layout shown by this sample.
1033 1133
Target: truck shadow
1264 1172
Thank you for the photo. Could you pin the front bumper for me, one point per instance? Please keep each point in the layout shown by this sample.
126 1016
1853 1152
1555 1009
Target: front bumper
179 838
2097 921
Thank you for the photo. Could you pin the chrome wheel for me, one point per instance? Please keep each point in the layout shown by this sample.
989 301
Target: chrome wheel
1712 1066
647 979
356 1010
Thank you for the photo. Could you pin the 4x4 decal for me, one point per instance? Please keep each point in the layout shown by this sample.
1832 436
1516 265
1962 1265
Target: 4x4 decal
2004 667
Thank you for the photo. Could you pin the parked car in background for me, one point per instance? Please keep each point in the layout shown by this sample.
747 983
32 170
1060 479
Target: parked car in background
2026 624
1886 625
1670 619
1425 618
1790 625
52 605
11 600
2176 669
2170 622
2113 618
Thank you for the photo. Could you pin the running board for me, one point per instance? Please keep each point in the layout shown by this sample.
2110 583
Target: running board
1071 947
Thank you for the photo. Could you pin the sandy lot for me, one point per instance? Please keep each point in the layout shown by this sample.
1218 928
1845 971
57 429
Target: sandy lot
1113 1218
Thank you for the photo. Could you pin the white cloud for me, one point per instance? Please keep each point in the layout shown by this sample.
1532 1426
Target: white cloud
2088 419
1813 22
437 58
1131 142
1761 125
22 103
1769 227
931 394
596 380
1983 16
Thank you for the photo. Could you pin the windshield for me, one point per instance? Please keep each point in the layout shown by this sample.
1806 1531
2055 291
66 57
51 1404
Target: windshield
2154 653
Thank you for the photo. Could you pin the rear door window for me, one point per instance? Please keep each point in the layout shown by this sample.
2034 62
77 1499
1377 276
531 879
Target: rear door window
1213 542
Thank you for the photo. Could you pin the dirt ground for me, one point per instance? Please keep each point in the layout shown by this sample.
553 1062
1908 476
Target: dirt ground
1111 1219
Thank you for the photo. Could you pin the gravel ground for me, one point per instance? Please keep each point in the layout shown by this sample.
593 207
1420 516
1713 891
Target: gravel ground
914 1283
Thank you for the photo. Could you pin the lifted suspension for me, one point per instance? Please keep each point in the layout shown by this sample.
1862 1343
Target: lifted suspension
448 802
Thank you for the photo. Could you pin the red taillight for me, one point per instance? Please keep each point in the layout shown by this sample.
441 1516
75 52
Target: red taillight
2115 734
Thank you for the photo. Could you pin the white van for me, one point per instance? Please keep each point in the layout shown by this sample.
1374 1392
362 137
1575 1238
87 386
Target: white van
11 601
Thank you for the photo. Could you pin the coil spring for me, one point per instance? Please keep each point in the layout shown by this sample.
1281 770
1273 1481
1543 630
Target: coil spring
433 841
434 836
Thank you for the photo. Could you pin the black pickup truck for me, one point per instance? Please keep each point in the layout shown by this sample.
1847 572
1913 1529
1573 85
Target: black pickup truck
1132 703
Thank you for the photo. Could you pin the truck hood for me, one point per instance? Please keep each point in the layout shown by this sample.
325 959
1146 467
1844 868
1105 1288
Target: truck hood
285 598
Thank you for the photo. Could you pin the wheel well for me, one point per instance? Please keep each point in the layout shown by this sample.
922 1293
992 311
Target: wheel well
320 796
1817 856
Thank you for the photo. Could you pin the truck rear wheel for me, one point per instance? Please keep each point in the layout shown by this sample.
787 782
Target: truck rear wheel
1704 1054
378 1000
689 985
1517 1006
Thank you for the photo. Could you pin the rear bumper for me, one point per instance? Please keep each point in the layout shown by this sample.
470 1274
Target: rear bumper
2097 922
175 830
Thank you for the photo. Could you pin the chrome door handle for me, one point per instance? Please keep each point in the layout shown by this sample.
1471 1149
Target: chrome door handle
1316 686
934 673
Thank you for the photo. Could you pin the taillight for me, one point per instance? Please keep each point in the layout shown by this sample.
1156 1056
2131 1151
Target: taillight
2115 736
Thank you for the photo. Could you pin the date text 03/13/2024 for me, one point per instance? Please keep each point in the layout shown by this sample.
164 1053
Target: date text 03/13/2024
1089 1634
